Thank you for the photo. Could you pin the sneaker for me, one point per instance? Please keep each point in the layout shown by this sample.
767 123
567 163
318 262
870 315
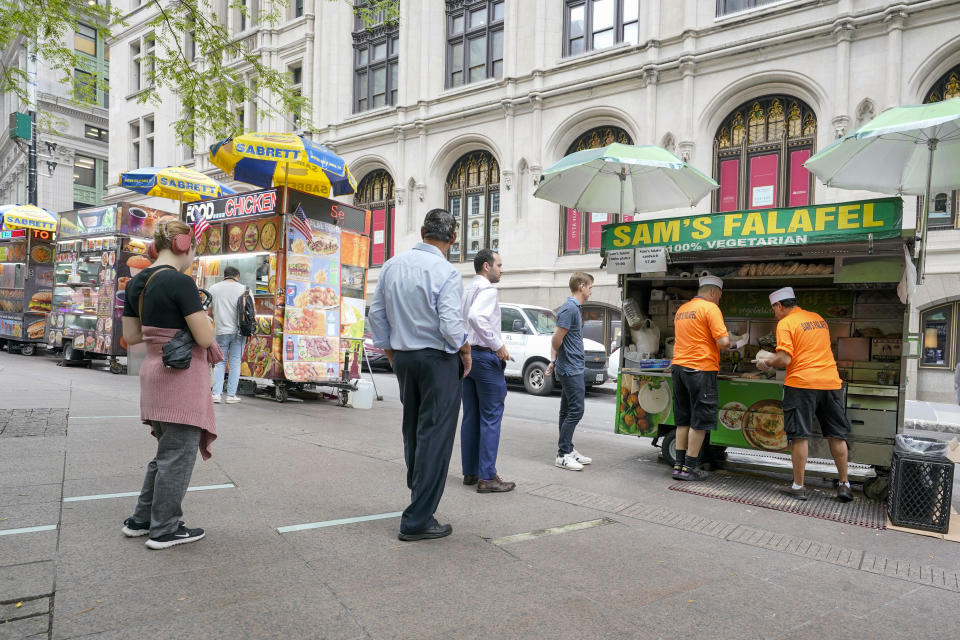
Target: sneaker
676 471
689 474
180 536
134 528
232 400
799 494
216 399
844 493
568 462
579 457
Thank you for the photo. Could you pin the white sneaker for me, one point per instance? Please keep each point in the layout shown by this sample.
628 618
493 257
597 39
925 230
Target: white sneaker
579 457
568 462
216 399
232 400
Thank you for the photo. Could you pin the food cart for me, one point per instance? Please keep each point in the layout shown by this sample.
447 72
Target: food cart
26 282
844 261
308 279
98 250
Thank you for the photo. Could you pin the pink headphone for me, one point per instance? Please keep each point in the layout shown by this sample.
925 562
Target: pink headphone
180 244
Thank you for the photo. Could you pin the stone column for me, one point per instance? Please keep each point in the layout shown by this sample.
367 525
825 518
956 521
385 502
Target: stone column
843 35
894 20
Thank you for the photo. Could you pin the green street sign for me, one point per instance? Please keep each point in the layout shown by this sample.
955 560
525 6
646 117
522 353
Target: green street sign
839 222
20 126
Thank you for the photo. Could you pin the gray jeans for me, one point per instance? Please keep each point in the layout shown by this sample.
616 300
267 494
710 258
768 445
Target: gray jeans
168 476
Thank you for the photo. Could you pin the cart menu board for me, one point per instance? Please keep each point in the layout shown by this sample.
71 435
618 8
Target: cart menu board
26 284
311 327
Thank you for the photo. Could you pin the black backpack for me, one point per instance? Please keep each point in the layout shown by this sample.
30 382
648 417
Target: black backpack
246 315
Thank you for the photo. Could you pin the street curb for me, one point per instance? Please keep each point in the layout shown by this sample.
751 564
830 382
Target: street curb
926 425
604 391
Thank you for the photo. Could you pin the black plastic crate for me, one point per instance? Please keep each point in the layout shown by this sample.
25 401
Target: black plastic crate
921 488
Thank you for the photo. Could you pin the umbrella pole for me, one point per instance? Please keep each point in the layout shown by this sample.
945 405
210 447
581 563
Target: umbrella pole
623 182
923 215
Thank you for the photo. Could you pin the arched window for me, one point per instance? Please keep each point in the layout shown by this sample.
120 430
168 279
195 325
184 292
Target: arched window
473 197
758 155
375 192
581 229
943 210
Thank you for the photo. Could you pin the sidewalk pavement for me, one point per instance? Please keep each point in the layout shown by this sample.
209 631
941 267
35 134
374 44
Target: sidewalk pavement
609 552
919 415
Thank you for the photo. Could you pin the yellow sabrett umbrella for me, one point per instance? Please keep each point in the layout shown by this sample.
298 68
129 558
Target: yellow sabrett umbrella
27 216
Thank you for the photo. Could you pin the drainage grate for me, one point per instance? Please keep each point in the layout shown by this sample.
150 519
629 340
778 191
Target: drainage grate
762 493
18 423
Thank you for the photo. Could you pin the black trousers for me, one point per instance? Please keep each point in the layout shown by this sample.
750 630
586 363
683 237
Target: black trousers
430 393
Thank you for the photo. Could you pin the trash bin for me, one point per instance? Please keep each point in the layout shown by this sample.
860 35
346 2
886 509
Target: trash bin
921 484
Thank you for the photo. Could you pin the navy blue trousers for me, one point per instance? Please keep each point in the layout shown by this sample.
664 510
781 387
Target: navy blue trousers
430 393
484 391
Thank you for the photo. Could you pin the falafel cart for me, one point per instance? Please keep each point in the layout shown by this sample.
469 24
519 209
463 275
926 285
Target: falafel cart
307 274
844 261
99 250
26 275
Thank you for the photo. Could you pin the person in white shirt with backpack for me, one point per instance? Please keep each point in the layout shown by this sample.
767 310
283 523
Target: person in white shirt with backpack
231 336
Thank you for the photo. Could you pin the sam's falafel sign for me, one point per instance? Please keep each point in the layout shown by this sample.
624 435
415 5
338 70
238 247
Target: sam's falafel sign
840 222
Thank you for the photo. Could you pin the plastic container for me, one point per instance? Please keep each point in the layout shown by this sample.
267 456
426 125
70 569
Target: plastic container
918 446
362 398
921 487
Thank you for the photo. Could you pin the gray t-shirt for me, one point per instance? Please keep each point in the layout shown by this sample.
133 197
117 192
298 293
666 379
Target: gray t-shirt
226 294
570 354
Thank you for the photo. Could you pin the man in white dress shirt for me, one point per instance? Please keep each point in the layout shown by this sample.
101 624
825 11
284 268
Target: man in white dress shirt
485 388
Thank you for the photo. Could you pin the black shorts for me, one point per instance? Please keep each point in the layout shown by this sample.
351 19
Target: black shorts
695 398
800 406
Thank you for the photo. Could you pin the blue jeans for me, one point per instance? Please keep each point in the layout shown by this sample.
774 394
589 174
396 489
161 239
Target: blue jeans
484 391
572 390
232 347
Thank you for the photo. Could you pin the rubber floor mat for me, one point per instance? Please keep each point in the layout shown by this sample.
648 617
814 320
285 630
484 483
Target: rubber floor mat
761 492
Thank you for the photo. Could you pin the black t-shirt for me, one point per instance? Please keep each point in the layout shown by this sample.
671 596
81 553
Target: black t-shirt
172 297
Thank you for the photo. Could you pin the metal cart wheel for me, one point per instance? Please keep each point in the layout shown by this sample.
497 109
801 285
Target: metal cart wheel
344 397
280 393
115 367
668 448
28 349
877 488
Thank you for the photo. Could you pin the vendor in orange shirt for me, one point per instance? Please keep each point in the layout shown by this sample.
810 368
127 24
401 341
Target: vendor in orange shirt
812 388
700 333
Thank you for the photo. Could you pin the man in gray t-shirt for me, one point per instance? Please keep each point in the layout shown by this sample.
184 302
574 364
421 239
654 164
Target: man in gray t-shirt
567 369
226 297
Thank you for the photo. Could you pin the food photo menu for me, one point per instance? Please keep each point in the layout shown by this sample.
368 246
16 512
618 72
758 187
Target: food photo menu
311 328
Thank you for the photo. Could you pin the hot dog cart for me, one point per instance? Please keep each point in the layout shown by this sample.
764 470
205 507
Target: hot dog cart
26 281
307 275
98 251
844 261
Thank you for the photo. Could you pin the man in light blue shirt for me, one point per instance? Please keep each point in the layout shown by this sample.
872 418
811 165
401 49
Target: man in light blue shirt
415 318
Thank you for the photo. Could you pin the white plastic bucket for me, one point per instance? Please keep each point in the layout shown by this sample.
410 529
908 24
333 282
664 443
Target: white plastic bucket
362 398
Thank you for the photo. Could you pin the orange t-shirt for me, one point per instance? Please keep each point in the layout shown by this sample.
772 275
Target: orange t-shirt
698 325
805 337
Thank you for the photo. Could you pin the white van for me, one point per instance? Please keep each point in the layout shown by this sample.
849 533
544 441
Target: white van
526 331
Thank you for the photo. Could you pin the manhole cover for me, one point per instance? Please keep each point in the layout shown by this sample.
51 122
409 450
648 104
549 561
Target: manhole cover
19 423
764 493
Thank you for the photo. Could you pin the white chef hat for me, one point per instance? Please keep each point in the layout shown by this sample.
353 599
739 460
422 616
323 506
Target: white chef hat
708 280
782 294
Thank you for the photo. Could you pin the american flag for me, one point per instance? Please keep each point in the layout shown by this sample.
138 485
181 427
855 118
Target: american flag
299 222
200 226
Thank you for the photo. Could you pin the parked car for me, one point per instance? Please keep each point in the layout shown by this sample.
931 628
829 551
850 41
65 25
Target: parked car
526 331
376 358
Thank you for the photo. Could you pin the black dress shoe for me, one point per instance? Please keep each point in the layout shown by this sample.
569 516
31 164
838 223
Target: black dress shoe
470 480
798 494
497 485
435 530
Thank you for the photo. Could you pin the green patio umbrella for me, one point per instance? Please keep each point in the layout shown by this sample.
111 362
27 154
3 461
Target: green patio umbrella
913 149
622 178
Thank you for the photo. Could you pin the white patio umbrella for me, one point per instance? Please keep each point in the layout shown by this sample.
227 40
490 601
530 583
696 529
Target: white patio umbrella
622 178
912 149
